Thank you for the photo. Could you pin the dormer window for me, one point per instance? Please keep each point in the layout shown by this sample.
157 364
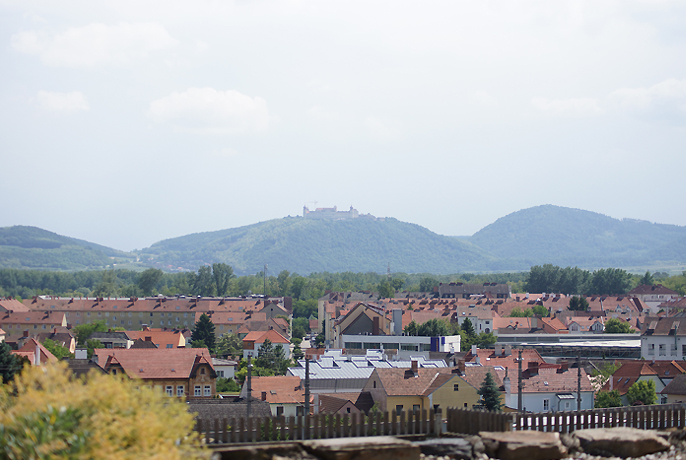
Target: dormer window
202 370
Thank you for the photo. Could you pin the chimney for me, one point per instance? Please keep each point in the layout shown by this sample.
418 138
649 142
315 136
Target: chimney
474 350
533 368
499 350
461 366
397 321
25 334
264 396
508 350
478 360
564 366
375 326
415 367
507 383
81 353
37 362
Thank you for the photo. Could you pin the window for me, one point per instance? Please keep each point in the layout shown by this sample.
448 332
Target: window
279 411
179 390
399 408
546 404
208 390
415 408
436 406
347 409
220 373
651 349
672 349
663 351
169 345
197 391
456 387
374 384
170 390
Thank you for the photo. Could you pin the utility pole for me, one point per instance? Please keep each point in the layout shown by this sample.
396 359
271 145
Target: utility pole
249 380
307 386
519 384
578 382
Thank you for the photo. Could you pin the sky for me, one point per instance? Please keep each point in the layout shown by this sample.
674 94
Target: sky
127 122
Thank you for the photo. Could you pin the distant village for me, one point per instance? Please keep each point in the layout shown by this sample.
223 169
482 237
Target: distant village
365 356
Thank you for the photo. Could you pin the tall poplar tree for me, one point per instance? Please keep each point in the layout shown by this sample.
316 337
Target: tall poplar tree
204 330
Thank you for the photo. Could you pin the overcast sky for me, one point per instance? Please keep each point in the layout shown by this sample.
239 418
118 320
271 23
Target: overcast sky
128 122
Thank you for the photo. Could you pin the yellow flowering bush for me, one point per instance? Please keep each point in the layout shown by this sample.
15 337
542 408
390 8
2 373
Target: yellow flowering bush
47 413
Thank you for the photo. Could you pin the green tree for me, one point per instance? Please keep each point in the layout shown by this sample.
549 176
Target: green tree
411 329
272 357
319 341
517 312
490 394
107 287
540 310
301 326
642 392
468 328
91 345
204 330
149 279
84 331
10 365
608 399
59 351
434 328
225 385
229 344
646 279
610 281
386 290
397 284
578 303
298 352
484 340
222 275
427 284
203 282
617 326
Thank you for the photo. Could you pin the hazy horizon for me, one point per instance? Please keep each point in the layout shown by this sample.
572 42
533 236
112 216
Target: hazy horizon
126 123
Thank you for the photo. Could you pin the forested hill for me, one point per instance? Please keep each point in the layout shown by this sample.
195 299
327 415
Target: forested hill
33 248
534 236
304 246
573 237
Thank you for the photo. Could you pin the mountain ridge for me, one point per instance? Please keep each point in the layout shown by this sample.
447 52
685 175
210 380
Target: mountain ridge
531 236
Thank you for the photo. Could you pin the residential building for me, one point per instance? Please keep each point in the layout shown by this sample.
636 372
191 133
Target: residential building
2 335
161 338
285 394
664 338
549 389
661 373
178 372
34 353
653 295
16 323
466 291
61 336
225 368
12 305
417 389
675 391
254 340
359 402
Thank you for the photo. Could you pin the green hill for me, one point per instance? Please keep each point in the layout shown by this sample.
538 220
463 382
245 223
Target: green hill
305 246
565 236
33 248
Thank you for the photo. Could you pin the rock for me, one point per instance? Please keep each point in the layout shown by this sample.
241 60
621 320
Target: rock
366 448
459 448
518 445
571 443
265 451
620 442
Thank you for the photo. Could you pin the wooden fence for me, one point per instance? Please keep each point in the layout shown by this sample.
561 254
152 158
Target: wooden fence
660 416
319 426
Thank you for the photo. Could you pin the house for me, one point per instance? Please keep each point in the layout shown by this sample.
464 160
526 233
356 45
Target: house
466 291
359 402
11 304
35 353
675 391
661 373
548 389
254 340
652 296
285 394
15 323
362 319
61 336
179 372
225 368
664 338
2 335
592 324
161 338
417 389
112 339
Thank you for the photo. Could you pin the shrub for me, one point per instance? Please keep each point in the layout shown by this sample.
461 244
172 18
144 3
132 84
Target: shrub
47 413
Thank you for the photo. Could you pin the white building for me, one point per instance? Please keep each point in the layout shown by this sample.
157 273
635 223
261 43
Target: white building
664 338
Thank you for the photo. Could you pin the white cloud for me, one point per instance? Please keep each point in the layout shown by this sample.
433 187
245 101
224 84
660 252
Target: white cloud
95 44
484 99
382 129
74 101
670 91
209 111
582 106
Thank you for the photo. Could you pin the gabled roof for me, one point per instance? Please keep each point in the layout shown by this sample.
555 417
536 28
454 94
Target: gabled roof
160 338
159 363
644 289
333 402
12 305
260 336
403 382
628 374
668 325
551 380
676 386
29 351
280 389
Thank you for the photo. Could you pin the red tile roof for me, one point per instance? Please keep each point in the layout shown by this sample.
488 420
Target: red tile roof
160 363
279 389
